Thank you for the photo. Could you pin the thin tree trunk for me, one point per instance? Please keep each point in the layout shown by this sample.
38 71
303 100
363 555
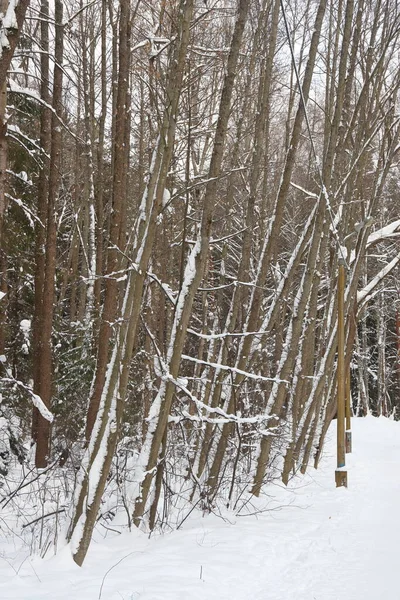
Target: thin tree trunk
193 273
113 389
114 256
46 322
9 39
42 199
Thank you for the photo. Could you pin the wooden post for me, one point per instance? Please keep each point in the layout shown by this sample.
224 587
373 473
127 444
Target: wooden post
340 473
348 413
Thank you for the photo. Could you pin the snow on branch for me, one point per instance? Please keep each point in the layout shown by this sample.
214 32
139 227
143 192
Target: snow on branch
385 232
10 28
185 416
8 25
37 401
223 416
370 290
31 217
220 336
304 191
156 45
389 231
30 93
233 370
17 131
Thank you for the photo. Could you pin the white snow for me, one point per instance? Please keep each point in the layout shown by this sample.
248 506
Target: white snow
166 197
25 327
10 19
311 542
371 288
36 400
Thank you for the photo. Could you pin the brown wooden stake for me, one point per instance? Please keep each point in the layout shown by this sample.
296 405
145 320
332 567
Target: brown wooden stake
340 474
348 442
348 402
348 414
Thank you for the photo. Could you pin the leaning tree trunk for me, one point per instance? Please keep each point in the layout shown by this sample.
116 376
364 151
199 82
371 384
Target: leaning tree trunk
111 386
193 275
269 245
240 294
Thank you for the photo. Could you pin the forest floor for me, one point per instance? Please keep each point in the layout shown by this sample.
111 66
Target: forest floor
311 542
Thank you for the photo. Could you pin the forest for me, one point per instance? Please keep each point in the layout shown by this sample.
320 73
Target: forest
179 182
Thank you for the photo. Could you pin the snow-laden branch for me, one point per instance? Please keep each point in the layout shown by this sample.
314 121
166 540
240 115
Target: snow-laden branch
304 191
223 416
384 233
369 291
27 212
220 336
185 416
37 401
17 131
232 370
17 89
389 231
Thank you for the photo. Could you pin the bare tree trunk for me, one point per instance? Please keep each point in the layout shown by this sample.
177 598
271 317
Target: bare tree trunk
9 39
194 271
42 199
99 184
110 386
46 321
240 295
114 256
269 245
3 183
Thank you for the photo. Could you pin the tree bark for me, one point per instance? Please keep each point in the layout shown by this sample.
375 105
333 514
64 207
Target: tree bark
47 306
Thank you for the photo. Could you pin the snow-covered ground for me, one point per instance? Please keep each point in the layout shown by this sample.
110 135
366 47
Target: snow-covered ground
314 542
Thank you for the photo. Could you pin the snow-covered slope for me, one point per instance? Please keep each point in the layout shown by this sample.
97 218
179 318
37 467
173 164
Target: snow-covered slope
312 542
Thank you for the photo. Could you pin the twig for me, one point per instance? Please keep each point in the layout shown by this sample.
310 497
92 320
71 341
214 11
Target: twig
55 512
111 568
